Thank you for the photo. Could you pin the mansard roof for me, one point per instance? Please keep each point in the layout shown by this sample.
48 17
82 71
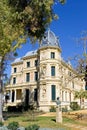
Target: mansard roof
17 60
50 39
30 53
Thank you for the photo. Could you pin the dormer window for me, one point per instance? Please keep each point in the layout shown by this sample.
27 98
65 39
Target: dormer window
52 55
15 70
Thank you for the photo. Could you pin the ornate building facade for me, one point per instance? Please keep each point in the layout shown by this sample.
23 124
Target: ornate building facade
42 75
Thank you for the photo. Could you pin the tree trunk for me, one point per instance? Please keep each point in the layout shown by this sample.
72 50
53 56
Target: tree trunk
80 102
1 117
1 85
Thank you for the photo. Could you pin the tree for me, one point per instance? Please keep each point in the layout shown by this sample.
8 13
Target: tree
19 19
10 39
34 15
80 95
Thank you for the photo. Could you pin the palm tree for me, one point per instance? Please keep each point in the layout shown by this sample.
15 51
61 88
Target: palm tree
80 95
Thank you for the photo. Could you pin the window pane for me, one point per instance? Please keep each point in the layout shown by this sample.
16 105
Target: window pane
27 77
53 92
36 62
52 55
35 94
14 80
52 70
36 76
28 64
15 70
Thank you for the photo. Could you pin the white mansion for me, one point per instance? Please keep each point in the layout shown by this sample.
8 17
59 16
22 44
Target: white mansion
42 75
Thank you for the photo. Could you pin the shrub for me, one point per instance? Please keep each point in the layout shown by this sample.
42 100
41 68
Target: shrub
52 109
18 108
13 125
74 106
64 109
32 127
1 124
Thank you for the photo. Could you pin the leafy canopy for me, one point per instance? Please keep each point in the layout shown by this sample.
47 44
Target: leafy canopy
22 18
35 15
8 32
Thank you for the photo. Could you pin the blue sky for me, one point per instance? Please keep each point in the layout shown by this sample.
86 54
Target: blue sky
71 23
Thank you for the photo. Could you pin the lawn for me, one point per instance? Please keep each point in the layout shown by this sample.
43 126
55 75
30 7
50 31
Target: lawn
46 121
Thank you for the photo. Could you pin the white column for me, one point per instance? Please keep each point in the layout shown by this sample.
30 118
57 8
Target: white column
15 96
10 96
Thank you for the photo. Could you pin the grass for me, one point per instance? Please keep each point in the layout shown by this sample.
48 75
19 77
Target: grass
28 118
42 121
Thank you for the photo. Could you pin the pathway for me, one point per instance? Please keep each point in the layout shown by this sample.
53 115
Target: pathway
75 126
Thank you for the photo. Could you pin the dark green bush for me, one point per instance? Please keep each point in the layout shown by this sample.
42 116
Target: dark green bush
32 127
64 109
18 108
74 106
13 125
1 124
52 109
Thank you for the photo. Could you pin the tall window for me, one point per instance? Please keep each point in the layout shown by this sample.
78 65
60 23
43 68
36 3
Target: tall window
14 80
70 74
72 84
35 94
62 95
65 96
52 55
28 64
27 77
36 63
53 92
15 70
70 96
52 70
36 76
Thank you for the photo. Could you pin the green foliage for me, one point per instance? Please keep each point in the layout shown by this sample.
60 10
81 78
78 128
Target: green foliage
8 32
13 125
52 109
64 109
1 124
34 15
62 1
32 127
80 94
74 106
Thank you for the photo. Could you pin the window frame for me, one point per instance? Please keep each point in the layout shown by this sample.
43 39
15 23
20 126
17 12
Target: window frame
52 70
35 75
27 77
14 80
15 70
36 63
28 64
53 92
52 55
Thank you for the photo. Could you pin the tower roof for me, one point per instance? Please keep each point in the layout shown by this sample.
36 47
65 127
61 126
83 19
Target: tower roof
49 39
